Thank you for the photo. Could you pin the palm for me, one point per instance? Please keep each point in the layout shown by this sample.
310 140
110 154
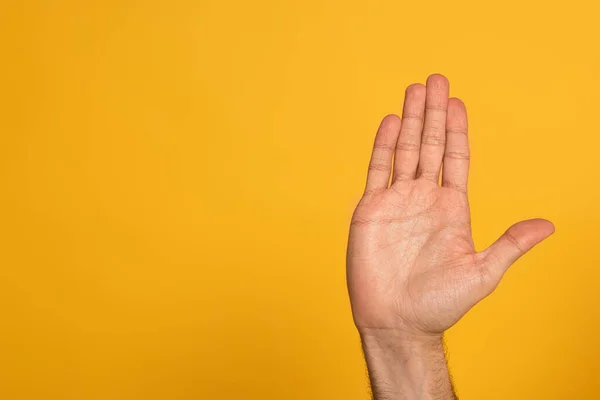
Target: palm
411 259
423 241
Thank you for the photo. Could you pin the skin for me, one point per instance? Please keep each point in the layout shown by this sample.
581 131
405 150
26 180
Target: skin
412 268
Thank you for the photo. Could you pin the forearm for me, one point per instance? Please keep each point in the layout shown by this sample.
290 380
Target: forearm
405 367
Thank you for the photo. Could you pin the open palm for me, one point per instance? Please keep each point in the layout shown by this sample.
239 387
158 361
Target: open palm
411 261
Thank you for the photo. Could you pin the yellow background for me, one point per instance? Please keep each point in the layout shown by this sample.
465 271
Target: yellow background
178 177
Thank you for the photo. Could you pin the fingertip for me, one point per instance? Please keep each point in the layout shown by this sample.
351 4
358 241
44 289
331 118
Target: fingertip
416 89
546 225
455 102
539 222
531 232
438 80
389 127
391 119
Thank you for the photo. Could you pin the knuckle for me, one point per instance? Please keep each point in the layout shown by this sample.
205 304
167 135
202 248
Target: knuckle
432 139
483 274
403 176
456 131
412 117
368 195
383 147
453 185
436 108
514 241
429 175
378 166
458 155
360 221
408 146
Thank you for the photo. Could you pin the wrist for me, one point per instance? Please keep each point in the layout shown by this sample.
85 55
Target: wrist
399 339
406 365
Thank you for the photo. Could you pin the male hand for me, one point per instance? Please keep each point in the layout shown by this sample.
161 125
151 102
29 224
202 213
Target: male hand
412 269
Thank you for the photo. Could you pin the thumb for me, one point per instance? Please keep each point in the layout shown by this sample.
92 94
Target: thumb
516 241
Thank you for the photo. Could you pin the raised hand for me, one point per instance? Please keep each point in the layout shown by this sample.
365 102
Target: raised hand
412 269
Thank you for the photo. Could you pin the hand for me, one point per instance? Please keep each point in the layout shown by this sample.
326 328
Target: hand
411 263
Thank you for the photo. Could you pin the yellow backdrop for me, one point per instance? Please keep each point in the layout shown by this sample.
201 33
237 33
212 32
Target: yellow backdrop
178 177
